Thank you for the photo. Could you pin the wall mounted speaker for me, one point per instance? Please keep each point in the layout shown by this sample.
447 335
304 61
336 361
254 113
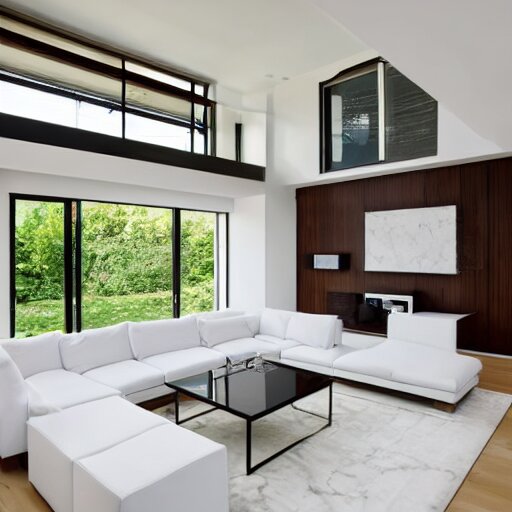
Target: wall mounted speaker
331 261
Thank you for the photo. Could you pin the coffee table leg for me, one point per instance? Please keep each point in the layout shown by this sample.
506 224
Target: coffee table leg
330 404
248 444
177 407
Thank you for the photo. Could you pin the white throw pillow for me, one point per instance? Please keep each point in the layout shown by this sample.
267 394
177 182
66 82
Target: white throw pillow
314 330
274 322
220 330
93 348
37 354
160 336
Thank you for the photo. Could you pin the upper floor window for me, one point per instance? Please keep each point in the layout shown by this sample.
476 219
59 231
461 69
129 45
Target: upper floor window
48 76
373 113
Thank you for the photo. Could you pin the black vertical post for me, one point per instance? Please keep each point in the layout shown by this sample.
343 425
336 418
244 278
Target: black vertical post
123 99
330 404
176 262
68 265
78 266
12 248
238 142
193 116
248 444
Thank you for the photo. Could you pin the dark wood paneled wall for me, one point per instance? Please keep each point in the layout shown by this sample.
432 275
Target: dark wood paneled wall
330 219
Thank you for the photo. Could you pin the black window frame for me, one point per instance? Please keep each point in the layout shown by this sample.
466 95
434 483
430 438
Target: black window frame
378 65
73 256
41 132
44 49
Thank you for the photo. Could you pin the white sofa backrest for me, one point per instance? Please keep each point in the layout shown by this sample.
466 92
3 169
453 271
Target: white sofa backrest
221 313
156 337
314 330
274 322
436 331
37 354
219 330
13 407
93 348
338 334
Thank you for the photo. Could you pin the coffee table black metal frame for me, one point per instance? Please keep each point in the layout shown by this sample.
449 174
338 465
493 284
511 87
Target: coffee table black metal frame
252 418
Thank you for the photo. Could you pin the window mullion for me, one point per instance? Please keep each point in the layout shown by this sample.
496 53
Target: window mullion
382 111
176 261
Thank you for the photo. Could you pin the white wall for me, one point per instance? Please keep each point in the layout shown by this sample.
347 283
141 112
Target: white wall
247 254
39 158
458 51
40 184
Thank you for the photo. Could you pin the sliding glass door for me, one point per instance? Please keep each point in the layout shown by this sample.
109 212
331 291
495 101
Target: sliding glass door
83 264
126 263
39 304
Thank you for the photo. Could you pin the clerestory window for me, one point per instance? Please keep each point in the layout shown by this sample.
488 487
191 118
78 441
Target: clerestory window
49 76
372 114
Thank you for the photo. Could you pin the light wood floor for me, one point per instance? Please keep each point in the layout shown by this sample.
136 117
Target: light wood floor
487 488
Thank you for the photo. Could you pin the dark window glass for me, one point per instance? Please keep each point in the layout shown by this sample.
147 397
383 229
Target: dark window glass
375 114
411 118
353 125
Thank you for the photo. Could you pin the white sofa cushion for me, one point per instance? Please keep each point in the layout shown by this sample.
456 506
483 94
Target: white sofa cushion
185 363
13 407
318 356
57 440
313 330
127 376
282 344
437 330
38 405
165 468
36 354
219 330
412 363
63 389
160 336
274 322
246 347
92 348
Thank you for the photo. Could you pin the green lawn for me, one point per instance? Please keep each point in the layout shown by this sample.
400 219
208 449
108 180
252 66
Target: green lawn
36 317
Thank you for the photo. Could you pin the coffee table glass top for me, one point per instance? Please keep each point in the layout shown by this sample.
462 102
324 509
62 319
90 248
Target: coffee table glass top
250 393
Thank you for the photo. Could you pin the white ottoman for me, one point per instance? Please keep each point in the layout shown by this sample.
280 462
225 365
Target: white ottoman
166 469
56 440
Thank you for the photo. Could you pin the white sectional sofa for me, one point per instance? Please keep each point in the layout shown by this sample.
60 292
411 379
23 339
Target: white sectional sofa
52 372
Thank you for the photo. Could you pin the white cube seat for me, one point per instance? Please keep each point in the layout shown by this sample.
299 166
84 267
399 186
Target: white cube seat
56 440
185 363
62 388
283 344
413 364
127 376
166 468
245 347
315 356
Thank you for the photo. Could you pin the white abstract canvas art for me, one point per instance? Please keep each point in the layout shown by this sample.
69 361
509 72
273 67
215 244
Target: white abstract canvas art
422 240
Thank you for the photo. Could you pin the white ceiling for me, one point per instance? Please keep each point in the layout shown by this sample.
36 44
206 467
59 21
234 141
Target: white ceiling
236 43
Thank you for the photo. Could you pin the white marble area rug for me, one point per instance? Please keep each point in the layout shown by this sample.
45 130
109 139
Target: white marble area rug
381 454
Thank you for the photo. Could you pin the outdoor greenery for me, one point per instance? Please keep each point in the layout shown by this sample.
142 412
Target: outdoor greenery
126 264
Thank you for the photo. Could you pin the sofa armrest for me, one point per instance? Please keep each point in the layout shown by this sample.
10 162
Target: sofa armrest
13 408
437 330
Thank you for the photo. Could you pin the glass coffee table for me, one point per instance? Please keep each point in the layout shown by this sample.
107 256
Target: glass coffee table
252 394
